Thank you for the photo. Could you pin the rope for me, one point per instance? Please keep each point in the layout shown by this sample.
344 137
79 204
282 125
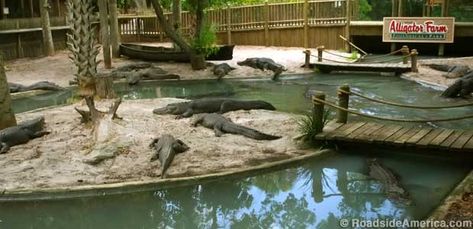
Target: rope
336 61
381 56
391 119
403 105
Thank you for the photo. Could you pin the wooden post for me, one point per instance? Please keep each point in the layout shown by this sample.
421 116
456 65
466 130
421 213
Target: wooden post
22 8
414 54
393 46
104 30
399 8
266 23
347 27
58 5
19 46
48 45
7 117
306 24
343 100
444 14
176 19
318 111
30 6
229 25
393 8
2 5
320 52
114 32
405 54
307 58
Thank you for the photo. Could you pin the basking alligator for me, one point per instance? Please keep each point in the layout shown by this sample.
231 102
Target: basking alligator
263 64
390 181
453 71
21 134
223 125
220 70
165 149
206 105
42 85
463 87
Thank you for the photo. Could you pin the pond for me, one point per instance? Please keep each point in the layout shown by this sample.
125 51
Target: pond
316 195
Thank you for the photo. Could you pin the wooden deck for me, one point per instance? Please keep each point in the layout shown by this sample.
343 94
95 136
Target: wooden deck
327 67
387 134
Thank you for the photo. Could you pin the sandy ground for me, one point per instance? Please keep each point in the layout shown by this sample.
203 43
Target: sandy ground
56 160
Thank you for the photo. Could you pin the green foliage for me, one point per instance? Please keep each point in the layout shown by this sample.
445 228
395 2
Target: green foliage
205 43
308 125
365 9
122 4
353 56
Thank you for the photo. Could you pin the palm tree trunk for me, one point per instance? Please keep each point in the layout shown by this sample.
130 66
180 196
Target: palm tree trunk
7 117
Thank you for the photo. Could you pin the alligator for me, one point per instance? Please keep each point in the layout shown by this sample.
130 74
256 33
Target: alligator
210 105
463 87
220 70
390 181
166 147
134 73
42 85
453 71
262 64
21 134
222 125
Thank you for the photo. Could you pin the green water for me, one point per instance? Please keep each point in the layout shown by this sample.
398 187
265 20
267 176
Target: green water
315 195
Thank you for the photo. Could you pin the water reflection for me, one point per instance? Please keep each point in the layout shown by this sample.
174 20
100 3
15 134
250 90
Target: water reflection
315 195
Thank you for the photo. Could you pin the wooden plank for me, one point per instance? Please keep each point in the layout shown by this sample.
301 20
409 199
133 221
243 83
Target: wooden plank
397 134
429 137
352 135
386 132
369 134
354 127
328 129
419 135
462 140
469 145
452 138
441 137
406 136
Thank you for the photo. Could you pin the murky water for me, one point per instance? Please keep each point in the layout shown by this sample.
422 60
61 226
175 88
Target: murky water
315 195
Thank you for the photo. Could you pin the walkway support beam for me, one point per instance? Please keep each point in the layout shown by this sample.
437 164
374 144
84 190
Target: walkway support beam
320 52
318 111
343 100
414 54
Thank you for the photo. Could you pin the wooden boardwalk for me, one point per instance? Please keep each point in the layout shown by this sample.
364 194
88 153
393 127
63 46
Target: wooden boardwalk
387 134
327 67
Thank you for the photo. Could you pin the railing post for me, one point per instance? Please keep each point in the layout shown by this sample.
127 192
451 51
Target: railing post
306 23
266 23
348 22
307 58
229 25
318 111
320 51
405 54
343 99
414 54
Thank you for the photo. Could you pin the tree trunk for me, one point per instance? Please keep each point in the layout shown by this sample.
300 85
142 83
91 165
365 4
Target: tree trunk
176 18
105 33
172 34
104 87
7 117
48 44
114 31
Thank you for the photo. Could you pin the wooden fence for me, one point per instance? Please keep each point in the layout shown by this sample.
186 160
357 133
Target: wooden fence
299 24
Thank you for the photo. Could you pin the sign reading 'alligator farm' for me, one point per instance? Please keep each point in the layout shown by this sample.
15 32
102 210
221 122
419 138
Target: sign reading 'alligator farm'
418 29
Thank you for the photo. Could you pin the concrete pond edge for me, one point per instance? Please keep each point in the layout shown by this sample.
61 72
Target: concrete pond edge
155 184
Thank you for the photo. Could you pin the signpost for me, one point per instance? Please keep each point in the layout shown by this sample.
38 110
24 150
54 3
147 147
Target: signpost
418 29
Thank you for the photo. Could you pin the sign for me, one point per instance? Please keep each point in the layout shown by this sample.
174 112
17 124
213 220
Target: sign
6 10
418 29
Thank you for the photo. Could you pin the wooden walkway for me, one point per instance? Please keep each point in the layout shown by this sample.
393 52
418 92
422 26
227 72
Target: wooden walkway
387 134
327 67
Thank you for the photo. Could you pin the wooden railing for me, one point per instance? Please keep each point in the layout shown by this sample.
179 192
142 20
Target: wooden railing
29 23
253 17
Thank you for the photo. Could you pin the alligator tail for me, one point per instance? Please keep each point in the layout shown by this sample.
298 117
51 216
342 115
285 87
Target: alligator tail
247 132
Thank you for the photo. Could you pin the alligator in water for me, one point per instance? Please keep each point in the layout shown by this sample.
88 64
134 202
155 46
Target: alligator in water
166 147
389 180
42 85
210 105
463 87
263 64
223 125
221 70
21 134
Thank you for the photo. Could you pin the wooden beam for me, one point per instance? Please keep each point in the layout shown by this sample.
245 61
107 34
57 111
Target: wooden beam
48 45
105 33
114 32
399 8
31 8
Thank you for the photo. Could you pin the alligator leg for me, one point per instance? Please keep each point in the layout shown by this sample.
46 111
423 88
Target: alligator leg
4 148
186 114
40 134
218 131
180 146
197 120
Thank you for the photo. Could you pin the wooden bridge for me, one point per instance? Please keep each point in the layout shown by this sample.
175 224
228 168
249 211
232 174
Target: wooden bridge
395 135
366 132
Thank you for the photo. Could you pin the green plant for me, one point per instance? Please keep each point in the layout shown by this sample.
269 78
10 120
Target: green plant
308 125
205 42
353 55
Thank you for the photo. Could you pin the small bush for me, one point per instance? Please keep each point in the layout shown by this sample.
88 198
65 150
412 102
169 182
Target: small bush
308 126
